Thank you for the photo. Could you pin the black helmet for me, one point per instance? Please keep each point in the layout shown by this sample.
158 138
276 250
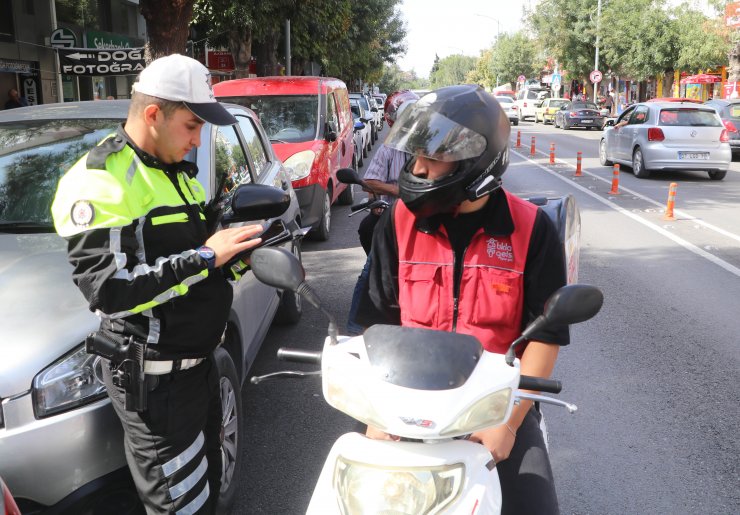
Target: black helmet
461 124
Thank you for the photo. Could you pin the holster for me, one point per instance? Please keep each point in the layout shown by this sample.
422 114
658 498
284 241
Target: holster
126 356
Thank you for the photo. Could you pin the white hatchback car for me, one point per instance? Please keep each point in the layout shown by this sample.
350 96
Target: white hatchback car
510 108
662 136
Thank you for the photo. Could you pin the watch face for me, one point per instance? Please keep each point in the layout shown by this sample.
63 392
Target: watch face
206 253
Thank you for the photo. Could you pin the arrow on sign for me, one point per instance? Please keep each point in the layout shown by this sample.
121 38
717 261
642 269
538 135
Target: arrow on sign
77 56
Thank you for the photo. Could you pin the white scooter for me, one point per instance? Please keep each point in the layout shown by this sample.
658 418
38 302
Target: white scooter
433 387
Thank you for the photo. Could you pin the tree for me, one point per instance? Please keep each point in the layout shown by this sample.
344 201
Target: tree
167 23
514 55
452 70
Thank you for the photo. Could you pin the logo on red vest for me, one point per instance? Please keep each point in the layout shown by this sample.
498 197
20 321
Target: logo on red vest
500 249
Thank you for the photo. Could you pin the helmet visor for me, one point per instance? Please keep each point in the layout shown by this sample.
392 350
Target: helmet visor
422 132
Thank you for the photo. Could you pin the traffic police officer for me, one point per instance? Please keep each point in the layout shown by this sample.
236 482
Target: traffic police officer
138 237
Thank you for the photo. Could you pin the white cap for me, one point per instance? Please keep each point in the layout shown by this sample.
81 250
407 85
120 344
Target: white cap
182 79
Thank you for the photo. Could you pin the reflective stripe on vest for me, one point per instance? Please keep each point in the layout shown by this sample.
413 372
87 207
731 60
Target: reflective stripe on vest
492 288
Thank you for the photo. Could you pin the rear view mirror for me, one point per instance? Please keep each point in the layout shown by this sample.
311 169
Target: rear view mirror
255 202
609 123
330 132
359 126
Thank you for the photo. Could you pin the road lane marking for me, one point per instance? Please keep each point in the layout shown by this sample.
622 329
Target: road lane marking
680 241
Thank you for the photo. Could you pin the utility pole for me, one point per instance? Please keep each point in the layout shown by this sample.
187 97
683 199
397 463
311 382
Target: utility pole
598 30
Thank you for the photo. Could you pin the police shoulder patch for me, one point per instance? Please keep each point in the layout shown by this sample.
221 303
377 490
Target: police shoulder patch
83 213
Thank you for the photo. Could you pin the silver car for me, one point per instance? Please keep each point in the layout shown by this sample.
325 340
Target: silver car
662 136
60 441
509 107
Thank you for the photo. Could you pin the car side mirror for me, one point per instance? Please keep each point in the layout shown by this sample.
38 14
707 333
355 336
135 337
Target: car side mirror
609 123
374 109
330 132
359 126
255 202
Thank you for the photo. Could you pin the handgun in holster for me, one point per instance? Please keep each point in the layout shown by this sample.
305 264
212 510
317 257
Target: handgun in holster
126 356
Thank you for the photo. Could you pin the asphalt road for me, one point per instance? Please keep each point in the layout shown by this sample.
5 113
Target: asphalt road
655 374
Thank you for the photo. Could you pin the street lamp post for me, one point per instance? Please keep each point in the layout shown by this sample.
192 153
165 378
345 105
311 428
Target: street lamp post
596 60
498 31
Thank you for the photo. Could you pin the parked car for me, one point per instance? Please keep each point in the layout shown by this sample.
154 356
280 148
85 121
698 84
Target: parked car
356 106
505 93
61 444
362 98
510 108
309 123
579 114
657 136
546 111
380 104
529 98
729 113
362 135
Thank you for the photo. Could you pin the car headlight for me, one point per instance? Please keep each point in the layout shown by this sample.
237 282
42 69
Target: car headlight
67 384
489 411
368 489
300 164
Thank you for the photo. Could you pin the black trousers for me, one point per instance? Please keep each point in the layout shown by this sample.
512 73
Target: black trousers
527 484
173 449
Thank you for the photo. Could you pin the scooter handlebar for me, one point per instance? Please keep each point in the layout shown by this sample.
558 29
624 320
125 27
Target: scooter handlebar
299 355
540 384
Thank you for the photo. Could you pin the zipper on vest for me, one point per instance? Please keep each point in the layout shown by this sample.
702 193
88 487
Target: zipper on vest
456 284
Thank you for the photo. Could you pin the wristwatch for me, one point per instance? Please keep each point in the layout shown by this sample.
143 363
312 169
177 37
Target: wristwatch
208 255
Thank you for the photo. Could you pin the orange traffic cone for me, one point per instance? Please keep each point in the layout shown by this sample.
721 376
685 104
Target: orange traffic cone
671 202
615 180
579 173
552 153
518 139
531 148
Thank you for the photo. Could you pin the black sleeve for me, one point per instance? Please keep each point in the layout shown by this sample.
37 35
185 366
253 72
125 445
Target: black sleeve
544 273
379 300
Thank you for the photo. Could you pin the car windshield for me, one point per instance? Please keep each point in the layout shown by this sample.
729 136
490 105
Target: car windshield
33 157
289 118
583 105
558 103
363 102
379 101
505 100
689 118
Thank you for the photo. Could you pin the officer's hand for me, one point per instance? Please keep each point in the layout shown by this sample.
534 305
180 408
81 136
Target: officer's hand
376 434
227 243
498 440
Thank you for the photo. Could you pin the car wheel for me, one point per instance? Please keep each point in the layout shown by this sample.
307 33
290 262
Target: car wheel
365 149
360 160
290 309
535 119
638 165
602 154
231 433
717 175
555 122
321 231
347 197
565 126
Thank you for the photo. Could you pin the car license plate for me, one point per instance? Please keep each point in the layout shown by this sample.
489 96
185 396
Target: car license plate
693 155
587 121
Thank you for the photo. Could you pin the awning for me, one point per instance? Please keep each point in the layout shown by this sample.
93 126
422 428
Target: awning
702 78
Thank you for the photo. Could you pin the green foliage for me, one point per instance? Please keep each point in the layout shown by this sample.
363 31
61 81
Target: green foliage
452 70
394 79
514 55
702 42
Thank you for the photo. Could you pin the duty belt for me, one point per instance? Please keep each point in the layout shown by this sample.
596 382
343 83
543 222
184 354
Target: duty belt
156 368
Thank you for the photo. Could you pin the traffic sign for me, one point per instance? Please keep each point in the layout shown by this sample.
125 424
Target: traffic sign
521 78
595 76
63 38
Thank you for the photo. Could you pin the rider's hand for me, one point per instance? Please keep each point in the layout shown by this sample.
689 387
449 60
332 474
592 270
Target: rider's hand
376 434
227 243
498 440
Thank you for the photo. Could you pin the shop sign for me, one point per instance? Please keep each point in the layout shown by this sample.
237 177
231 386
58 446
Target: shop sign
732 15
29 91
220 60
63 38
105 40
10 66
96 62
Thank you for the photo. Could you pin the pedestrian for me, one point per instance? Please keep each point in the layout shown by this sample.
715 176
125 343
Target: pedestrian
609 102
382 176
15 100
134 217
459 253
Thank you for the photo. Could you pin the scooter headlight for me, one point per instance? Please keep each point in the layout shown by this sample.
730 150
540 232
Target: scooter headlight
365 489
489 411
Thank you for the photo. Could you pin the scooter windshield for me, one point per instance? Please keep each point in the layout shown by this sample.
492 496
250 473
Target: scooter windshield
423 359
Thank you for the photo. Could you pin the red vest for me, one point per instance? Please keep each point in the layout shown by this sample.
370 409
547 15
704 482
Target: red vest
491 299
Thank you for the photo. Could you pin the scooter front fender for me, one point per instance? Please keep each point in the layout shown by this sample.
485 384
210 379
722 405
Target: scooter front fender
478 494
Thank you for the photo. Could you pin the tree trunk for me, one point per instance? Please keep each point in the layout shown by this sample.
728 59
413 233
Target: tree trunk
734 67
266 53
168 26
667 84
240 44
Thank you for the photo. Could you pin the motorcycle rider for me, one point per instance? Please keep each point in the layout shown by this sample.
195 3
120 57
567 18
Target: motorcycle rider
382 176
459 253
